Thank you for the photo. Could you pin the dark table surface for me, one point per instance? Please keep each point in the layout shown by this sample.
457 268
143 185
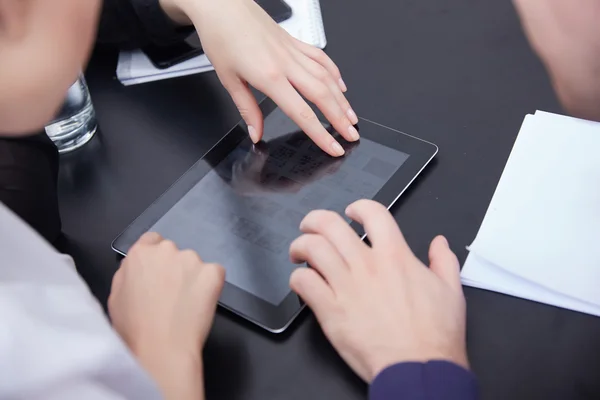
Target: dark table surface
459 74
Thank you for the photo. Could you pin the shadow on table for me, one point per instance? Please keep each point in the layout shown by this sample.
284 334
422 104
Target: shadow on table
221 356
96 278
224 357
321 347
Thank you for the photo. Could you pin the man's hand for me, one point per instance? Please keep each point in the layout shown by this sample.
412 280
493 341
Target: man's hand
162 303
379 305
247 47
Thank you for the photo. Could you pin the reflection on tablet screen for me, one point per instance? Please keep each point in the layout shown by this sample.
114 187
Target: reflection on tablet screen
246 211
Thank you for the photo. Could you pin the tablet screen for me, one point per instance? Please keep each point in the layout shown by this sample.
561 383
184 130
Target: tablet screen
245 213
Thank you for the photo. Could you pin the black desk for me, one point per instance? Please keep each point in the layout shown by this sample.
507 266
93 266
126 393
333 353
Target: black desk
459 74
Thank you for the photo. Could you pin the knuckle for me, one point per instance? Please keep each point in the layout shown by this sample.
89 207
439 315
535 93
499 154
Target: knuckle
382 216
322 58
231 85
133 252
317 244
244 112
168 245
296 278
311 216
321 92
370 207
297 246
151 236
398 251
308 242
237 89
321 73
343 120
319 55
326 219
215 272
335 71
190 256
304 244
345 104
307 114
273 73
337 308
337 313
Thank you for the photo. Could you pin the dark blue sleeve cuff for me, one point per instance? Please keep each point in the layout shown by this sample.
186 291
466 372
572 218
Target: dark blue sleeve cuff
434 380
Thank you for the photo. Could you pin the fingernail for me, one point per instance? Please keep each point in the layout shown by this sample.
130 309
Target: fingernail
253 134
352 116
343 85
338 150
444 241
353 133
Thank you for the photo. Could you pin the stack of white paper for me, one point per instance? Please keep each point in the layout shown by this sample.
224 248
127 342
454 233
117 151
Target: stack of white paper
540 238
306 24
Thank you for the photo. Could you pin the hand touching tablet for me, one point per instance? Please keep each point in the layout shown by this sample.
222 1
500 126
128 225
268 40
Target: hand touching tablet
247 47
162 303
379 305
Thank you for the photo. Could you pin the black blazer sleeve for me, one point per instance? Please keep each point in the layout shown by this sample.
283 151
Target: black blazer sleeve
28 182
130 24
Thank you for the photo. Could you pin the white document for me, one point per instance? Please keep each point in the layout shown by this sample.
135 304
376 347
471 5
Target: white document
306 24
480 273
539 238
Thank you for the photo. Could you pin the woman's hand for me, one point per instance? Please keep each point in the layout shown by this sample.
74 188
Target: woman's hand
246 46
162 303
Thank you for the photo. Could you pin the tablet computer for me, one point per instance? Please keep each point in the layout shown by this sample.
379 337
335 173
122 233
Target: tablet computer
241 204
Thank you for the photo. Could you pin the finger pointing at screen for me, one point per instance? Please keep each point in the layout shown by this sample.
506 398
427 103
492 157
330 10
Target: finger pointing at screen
246 47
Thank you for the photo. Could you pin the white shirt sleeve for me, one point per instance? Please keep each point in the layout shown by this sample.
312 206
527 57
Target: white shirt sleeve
55 341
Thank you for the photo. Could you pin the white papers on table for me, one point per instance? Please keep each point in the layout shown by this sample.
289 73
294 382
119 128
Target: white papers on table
540 237
306 24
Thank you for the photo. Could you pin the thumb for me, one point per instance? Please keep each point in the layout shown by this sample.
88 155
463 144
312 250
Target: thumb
248 107
444 263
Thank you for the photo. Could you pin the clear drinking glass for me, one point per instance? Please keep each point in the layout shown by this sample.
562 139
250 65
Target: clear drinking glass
75 123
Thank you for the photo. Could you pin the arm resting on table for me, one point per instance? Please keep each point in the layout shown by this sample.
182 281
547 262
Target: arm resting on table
434 380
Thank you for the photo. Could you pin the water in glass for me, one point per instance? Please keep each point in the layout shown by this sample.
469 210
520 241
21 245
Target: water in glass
75 123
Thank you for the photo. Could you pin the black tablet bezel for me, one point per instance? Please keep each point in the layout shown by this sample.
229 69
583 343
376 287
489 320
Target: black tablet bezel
277 318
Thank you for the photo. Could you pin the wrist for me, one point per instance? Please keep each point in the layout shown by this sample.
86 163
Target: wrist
178 374
191 12
176 11
161 347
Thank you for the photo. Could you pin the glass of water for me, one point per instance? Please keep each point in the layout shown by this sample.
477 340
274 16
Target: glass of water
75 123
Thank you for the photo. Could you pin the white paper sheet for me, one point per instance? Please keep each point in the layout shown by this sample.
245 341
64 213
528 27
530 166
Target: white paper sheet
544 218
538 239
479 273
